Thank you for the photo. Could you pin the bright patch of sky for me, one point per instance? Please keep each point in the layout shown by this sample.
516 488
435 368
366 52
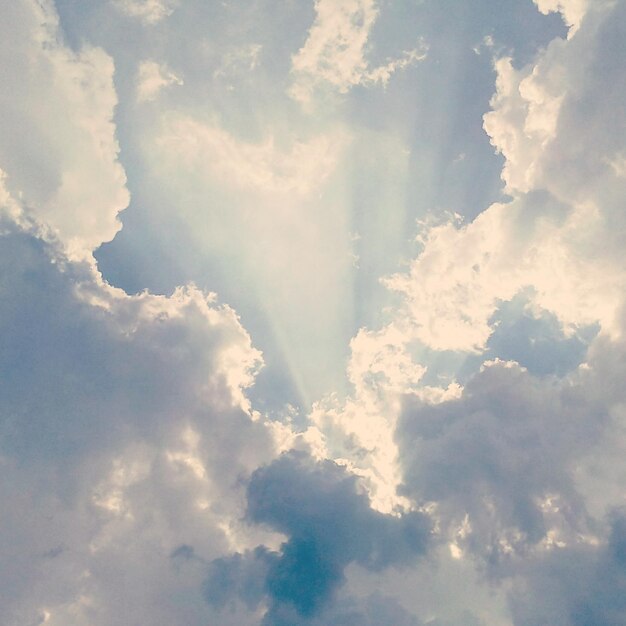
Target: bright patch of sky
312 312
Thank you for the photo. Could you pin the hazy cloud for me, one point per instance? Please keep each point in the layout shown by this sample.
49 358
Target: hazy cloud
149 11
152 78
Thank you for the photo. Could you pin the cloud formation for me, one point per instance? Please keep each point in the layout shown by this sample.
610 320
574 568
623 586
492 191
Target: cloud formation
152 78
462 461
148 11
122 417
329 524
59 152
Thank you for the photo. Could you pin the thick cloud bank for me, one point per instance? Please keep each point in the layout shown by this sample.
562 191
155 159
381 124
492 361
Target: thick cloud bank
124 435
441 439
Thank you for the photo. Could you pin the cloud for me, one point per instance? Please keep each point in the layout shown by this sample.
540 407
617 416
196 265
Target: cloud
329 524
263 166
359 430
59 151
555 123
519 472
152 78
573 11
535 339
125 430
482 419
148 11
454 287
576 586
498 461
539 114
505 463
334 52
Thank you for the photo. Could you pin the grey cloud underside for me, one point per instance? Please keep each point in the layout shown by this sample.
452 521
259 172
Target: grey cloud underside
576 586
512 466
91 401
330 525
144 482
107 377
536 342
495 454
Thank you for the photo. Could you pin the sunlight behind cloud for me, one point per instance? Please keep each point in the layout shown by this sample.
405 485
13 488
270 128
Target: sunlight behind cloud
357 355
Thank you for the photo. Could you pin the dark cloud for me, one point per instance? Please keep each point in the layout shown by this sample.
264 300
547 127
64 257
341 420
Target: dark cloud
373 610
535 339
582 585
497 452
79 378
329 524
238 577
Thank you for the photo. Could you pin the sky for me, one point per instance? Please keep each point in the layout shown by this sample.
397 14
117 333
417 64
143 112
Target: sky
312 312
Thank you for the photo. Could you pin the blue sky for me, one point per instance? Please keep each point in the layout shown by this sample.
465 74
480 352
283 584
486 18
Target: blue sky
312 312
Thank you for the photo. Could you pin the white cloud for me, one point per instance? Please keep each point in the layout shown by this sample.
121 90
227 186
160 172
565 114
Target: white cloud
359 431
59 151
149 11
573 11
265 167
455 285
334 52
517 461
524 120
541 113
552 239
559 235
152 77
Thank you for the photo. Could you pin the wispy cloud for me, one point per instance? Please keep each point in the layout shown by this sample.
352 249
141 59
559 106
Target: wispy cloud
334 53
264 166
152 77
149 11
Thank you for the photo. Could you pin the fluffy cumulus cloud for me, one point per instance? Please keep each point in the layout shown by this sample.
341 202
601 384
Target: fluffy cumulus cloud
123 422
499 461
123 417
559 235
572 10
508 465
462 464
59 149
